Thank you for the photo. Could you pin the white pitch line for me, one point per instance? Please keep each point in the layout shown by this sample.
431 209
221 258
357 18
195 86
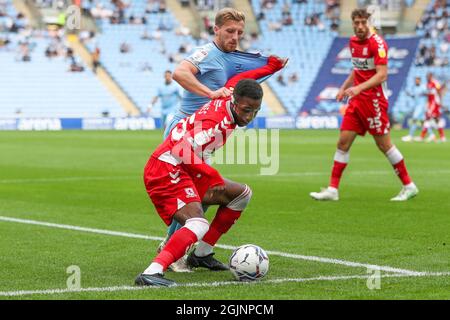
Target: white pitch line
232 175
209 284
228 247
63 179
82 229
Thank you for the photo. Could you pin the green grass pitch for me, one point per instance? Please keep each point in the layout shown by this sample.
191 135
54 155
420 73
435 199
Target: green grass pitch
94 180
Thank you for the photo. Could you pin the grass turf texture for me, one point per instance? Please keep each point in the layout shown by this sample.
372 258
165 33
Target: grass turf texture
94 179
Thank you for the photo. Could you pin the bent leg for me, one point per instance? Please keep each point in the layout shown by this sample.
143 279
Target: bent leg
232 201
194 228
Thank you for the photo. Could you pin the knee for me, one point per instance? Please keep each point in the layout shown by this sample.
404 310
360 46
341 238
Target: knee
343 145
241 201
384 147
199 226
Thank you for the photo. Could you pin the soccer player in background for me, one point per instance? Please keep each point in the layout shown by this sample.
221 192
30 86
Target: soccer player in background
179 181
367 110
203 75
433 115
418 94
169 93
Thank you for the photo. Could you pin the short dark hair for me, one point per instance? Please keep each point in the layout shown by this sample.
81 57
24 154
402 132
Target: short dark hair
248 88
360 13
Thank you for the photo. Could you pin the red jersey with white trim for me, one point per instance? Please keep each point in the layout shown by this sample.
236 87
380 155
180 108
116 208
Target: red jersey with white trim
194 138
366 55
434 99
434 87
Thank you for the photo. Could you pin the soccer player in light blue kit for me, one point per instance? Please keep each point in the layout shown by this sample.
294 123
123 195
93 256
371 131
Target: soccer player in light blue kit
169 93
418 94
203 75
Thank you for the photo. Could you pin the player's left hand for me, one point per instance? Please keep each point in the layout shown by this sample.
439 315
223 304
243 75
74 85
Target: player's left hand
282 61
352 92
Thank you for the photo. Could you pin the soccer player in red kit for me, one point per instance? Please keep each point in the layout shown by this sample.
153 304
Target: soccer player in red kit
179 181
433 114
367 109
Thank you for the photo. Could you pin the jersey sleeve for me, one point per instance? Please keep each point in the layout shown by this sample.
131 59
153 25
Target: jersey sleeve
186 149
203 59
272 66
380 52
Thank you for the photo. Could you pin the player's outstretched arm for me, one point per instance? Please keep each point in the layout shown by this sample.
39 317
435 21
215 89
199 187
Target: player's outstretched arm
273 65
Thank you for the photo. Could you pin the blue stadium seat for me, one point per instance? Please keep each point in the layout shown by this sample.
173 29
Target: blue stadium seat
289 42
44 87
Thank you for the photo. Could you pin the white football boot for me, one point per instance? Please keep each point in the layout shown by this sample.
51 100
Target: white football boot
326 194
407 192
179 265
431 138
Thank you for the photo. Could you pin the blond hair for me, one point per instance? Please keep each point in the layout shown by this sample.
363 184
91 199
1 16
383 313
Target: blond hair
227 14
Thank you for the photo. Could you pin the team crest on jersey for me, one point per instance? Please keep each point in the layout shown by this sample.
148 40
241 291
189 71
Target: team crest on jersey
239 67
190 193
365 51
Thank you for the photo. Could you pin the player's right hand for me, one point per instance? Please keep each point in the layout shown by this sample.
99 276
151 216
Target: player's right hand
340 95
220 93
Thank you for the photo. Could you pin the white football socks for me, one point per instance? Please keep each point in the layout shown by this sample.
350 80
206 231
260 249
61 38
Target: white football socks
154 268
203 249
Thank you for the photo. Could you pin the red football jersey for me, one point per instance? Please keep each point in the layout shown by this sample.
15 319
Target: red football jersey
366 55
434 99
194 138
434 87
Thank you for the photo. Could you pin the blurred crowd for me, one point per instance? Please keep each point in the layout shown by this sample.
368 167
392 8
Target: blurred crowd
16 35
434 25
332 12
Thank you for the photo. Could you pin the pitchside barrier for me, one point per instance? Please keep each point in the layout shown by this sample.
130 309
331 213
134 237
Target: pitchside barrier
148 123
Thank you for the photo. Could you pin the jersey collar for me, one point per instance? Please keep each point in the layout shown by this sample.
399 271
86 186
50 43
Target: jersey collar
230 113
218 48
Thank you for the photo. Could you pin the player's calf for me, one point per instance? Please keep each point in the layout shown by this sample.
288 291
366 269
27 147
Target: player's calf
233 200
195 227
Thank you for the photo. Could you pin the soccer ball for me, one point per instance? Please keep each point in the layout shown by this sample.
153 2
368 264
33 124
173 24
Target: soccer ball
248 263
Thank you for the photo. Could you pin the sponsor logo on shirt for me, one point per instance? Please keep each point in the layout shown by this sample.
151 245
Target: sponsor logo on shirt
199 55
363 64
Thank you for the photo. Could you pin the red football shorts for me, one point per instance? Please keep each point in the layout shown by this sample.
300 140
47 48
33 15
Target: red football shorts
170 187
365 115
434 111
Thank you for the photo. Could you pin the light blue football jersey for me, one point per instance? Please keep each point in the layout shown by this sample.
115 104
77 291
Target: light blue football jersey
169 95
419 101
215 68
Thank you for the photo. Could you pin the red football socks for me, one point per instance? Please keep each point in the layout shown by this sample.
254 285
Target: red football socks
224 219
397 161
177 246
